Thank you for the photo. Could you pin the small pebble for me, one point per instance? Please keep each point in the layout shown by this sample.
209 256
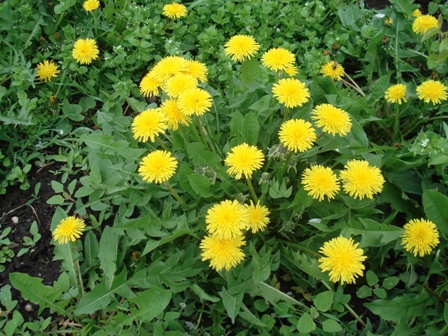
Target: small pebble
15 220
29 307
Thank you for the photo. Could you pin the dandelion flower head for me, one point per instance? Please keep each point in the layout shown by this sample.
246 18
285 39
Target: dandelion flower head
333 120
174 115
85 51
332 69
432 91
360 180
417 13
241 47
244 160
278 59
258 216
222 253
169 66
150 85
343 259
196 69
291 92
291 70
91 5
47 70
179 83
320 181
149 124
420 236
297 135
158 166
69 229
195 101
423 23
226 219
396 94
174 10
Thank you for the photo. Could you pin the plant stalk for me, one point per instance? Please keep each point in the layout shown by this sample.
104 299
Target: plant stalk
252 190
175 194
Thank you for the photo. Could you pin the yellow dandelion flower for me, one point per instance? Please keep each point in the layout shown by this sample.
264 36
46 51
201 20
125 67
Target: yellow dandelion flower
420 236
149 124
169 66
47 70
343 259
291 92
178 84
332 69
417 13
332 119
320 181
297 135
396 94
388 22
241 47
174 115
423 23
291 70
158 166
196 69
258 216
150 86
226 219
361 180
91 5
432 91
244 160
195 101
69 229
222 253
85 51
278 59
175 10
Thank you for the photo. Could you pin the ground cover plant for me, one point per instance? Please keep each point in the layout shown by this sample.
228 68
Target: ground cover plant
223 167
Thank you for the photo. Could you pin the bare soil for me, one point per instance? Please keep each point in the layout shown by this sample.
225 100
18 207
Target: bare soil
20 205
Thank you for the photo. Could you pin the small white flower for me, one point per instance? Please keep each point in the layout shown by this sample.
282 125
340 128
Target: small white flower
425 143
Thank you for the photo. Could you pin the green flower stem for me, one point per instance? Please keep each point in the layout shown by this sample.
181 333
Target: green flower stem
76 270
396 58
176 195
243 71
285 164
161 144
59 22
252 190
286 114
304 249
204 135
268 165
62 83
184 135
444 330
349 309
125 4
195 132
